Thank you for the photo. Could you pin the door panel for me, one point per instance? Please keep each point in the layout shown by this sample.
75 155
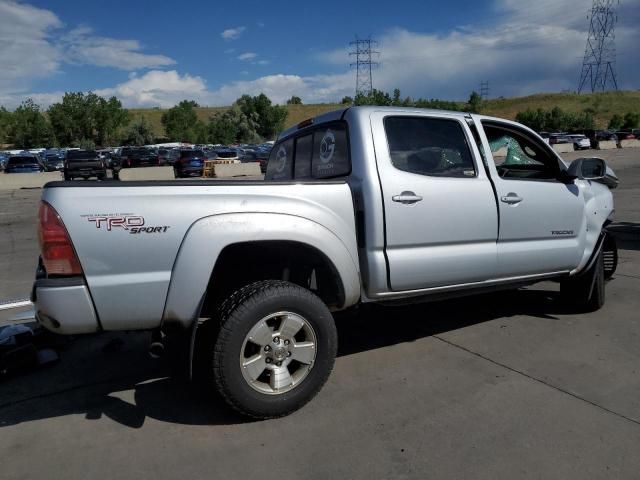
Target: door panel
440 230
542 221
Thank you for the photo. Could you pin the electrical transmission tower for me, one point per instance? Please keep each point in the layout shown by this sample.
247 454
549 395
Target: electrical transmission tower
484 89
362 49
599 64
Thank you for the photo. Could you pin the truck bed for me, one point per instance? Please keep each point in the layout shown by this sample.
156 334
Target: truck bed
128 235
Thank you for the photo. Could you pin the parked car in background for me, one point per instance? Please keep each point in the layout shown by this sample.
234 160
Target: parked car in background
544 136
580 141
596 136
53 162
163 156
133 157
625 135
558 138
227 154
189 163
23 163
84 164
3 160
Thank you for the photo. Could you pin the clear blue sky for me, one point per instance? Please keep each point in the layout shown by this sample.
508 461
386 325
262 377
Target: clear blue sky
155 53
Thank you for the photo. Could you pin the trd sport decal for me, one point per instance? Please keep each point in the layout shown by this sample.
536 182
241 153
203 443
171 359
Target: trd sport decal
134 224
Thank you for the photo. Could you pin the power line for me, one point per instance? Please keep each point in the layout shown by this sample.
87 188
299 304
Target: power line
362 49
599 63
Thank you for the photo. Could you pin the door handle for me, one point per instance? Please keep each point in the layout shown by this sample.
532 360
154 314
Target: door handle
407 198
511 198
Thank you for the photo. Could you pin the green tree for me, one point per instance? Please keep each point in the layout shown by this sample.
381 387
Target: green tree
631 120
6 118
201 132
234 126
270 118
138 133
397 101
294 100
29 128
375 97
616 122
534 119
110 119
474 104
87 116
346 100
180 121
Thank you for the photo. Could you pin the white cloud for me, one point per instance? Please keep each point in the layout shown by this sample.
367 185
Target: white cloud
247 56
26 50
233 33
34 44
81 46
158 88
526 48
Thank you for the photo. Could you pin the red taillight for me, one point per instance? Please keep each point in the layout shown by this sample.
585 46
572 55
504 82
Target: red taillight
58 255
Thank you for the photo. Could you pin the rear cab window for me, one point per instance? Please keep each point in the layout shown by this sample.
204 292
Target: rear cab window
318 153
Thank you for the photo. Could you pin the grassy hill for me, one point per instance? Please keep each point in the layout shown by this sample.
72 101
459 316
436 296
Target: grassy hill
603 104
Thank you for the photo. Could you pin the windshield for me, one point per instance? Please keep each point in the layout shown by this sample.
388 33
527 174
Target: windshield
81 154
133 152
22 161
191 153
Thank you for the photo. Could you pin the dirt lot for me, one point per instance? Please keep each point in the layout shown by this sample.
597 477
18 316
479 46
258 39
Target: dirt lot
507 385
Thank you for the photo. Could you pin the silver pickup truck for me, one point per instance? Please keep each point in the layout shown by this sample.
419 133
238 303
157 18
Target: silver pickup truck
360 205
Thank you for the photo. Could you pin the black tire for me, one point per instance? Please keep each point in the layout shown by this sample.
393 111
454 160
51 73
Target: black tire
238 315
610 255
587 292
68 177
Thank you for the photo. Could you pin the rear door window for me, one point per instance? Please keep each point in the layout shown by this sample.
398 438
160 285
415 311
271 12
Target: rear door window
429 146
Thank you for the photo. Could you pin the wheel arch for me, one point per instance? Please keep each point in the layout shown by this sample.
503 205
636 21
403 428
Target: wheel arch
233 246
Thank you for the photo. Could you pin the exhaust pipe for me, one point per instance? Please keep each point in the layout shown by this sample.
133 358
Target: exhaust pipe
156 350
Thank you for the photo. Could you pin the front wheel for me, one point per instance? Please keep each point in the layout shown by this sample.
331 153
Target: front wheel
587 292
275 348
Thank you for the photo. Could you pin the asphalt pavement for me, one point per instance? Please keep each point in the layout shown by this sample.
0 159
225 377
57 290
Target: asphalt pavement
507 385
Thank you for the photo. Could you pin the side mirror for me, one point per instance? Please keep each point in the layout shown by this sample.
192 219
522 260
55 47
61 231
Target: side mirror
588 168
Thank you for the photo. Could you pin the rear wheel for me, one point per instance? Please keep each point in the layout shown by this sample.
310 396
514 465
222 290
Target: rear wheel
275 348
587 292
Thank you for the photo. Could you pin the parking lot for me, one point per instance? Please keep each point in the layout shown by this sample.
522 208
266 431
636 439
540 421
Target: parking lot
505 385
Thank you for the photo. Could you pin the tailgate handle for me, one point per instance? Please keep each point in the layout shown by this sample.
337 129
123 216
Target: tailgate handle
407 198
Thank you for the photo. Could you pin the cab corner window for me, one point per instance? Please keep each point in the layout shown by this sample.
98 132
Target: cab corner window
429 146
280 164
330 156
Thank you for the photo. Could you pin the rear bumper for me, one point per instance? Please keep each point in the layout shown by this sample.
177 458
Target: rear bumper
63 305
191 171
94 172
